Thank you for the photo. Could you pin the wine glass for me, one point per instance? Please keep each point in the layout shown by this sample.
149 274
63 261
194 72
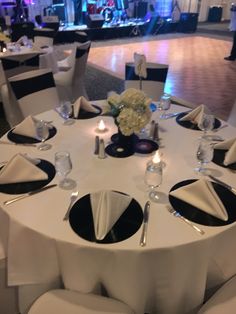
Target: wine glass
66 110
207 123
42 132
204 155
164 105
63 167
153 178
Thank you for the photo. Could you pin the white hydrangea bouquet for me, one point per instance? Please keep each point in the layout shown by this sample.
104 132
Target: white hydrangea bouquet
131 110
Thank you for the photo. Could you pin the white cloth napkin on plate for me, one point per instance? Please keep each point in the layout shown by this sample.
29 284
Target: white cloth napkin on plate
230 145
202 195
83 103
195 116
140 66
27 127
107 207
21 169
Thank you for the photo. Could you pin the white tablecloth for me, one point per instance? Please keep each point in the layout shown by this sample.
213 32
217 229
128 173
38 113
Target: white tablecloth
168 276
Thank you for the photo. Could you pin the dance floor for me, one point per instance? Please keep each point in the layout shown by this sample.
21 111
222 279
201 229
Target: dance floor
197 69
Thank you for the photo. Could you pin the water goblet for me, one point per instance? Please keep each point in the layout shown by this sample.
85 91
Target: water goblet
66 110
164 105
42 132
153 178
63 167
204 155
206 124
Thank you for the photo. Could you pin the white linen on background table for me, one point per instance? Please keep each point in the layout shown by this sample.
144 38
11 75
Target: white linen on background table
169 275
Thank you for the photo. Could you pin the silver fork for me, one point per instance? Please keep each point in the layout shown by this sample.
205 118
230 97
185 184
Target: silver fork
73 197
178 215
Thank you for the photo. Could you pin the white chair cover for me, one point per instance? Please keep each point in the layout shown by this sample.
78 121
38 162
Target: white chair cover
232 115
48 61
43 37
82 53
153 85
71 302
223 301
64 78
35 91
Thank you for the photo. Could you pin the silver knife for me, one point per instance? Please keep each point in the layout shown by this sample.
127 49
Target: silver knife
13 143
171 115
28 194
227 186
143 239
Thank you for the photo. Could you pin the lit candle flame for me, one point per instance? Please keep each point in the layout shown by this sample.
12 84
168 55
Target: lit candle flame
156 159
101 126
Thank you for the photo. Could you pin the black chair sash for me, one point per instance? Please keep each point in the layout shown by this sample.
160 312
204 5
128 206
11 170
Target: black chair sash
8 64
153 74
41 33
81 52
34 61
32 85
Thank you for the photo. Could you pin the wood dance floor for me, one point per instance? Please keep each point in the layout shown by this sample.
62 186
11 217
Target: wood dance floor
197 70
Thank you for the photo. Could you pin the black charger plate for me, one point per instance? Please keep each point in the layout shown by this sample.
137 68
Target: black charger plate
25 187
218 158
81 221
193 126
196 215
21 139
88 115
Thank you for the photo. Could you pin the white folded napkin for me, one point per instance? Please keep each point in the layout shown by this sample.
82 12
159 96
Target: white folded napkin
27 127
230 145
83 103
140 66
21 169
202 195
195 116
107 207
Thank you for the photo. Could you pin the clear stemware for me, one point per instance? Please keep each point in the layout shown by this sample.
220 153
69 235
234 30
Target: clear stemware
206 124
63 167
164 105
42 131
66 110
204 155
153 179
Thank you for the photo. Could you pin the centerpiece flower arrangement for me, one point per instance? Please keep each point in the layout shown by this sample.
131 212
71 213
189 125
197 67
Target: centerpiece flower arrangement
130 110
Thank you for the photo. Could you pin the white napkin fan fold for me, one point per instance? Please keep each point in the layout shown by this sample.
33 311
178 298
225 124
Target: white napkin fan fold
83 103
21 169
195 116
230 145
107 207
27 127
202 195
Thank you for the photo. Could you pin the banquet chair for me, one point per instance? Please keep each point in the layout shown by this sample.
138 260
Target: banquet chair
65 74
153 85
81 58
223 300
80 37
35 91
44 37
63 301
2 77
232 115
21 29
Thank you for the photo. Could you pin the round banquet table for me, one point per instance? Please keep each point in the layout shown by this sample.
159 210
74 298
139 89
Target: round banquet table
171 274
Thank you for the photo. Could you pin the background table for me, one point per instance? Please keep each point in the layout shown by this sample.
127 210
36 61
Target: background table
169 275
